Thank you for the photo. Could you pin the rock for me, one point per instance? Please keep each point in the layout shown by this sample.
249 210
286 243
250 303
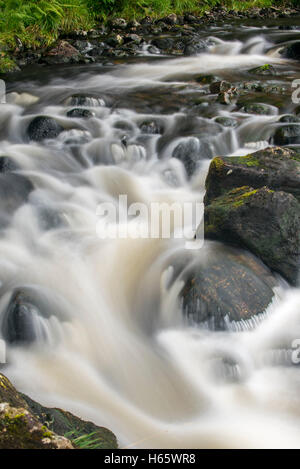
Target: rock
171 19
292 51
84 100
21 322
228 97
276 168
253 201
229 285
195 47
19 429
218 86
150 127
287 135
79 113
118 23
263 70
188 152
259 108
227 121
61 54
163 43
26 424
43 127
14 192
7 164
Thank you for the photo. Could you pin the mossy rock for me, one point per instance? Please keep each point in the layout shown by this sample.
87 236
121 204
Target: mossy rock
262 220
266 69
275 167
25 423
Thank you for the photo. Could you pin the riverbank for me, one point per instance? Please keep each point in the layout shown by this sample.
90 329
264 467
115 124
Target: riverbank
118 37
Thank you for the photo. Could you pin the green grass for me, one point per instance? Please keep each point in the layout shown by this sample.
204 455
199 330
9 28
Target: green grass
38 23
89 441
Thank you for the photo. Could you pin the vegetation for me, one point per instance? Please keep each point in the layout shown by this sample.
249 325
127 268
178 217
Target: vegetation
38 23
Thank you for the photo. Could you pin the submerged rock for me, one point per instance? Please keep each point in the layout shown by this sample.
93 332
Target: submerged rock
229 285
7 164
84 100
14 192
79 113
253 201
43 127
25 424
188 152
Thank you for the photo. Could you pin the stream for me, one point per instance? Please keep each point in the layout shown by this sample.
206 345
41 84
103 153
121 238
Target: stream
110 341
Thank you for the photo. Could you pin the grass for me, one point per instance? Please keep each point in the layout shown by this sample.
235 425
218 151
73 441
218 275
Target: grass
89 441
38 23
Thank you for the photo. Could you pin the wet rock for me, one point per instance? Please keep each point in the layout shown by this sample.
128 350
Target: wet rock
61 54
228 285
195 47
219 86
118 23
253 201
20 324
19 429
188 152
43 127
227 121
163 43
115 41
150 127
7 164
79 113
263 70
287 135
14 192
228 97
50 424
259 109
292 51
84 100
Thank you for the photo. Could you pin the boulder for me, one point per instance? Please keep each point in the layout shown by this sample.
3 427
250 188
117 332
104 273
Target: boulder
188 152
228 285
63 53
25 424
253 201
43 127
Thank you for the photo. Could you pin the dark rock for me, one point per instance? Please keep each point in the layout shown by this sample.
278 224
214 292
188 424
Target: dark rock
118 23
150 127
163 43
292 51
61 54
229 285
259 108
43 127
227 121
195 47
253 201
7 164
188 152
263 70
84 100
287 135
14 192
25 424
79 113
218 86
21 323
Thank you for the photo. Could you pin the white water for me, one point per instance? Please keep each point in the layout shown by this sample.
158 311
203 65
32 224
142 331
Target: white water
117 350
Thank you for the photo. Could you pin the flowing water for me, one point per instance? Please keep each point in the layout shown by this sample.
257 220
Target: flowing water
114 347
